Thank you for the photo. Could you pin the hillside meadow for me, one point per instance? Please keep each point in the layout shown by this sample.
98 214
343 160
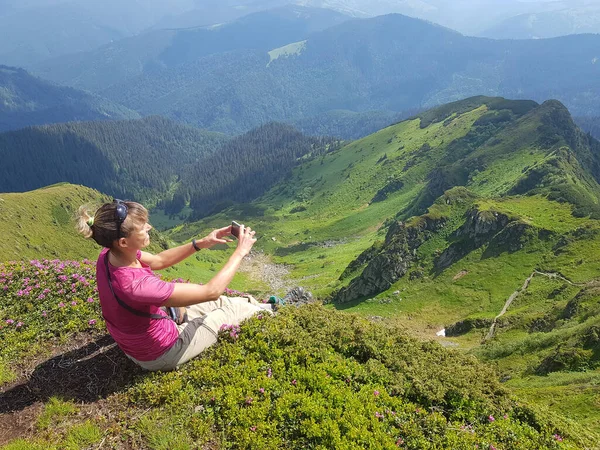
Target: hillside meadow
463 204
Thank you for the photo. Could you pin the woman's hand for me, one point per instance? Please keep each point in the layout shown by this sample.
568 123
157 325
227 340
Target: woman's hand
246 240
216 237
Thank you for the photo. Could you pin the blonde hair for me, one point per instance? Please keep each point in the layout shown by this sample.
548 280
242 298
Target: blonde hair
102 225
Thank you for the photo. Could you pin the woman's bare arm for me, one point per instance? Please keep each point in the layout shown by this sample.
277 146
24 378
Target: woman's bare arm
186 294
174 255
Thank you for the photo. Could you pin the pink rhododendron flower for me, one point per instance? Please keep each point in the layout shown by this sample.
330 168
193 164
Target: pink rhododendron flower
92 322
61 305
10 321
90 300
73 303
491 418
375 393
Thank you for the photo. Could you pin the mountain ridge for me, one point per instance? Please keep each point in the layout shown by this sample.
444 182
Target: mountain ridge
26 100
362 65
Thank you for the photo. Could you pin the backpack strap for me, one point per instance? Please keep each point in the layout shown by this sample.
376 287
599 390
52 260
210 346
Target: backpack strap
125 305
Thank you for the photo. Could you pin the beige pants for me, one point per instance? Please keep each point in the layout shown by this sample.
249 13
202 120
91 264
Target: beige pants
202 328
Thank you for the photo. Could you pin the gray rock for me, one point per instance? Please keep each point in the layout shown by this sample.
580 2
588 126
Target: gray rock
298 296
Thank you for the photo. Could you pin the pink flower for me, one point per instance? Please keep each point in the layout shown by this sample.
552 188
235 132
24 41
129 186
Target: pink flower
375 393
73 303
253 428
294 382
378 415
44 313
491 418
261 390
399 442
19 324
92 322
90 300
558 437
249 400
269 373
61 305
10 321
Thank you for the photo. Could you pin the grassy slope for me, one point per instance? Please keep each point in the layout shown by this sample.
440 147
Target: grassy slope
338 223
40 224
321 219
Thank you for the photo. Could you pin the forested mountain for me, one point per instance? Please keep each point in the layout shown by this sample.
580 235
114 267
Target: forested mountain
26 100
245 168
147 53
137 159
391 63
583 17
36 30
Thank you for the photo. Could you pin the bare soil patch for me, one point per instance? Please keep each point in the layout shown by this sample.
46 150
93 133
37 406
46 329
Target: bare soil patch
86 370
259 266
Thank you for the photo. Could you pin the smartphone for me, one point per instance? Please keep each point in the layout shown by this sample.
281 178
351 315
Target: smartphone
235 229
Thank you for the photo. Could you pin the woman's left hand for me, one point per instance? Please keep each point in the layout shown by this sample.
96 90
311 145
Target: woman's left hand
217 237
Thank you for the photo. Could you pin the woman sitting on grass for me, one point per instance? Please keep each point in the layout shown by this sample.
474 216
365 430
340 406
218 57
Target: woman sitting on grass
131 295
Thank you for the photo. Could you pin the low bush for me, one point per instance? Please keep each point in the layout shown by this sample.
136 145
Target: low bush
312 377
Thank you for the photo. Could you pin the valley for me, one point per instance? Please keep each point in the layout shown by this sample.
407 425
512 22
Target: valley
426 202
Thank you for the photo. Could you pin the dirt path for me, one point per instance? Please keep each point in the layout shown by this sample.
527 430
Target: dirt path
259 266
551 275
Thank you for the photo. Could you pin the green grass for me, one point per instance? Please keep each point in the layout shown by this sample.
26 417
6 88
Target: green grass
55 411
40 223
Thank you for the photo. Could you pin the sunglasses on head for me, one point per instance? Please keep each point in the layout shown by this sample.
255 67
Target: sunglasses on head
120 214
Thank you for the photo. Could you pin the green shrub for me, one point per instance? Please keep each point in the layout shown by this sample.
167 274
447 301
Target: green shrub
316 378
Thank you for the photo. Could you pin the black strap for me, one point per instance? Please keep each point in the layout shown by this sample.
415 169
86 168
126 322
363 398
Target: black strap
125 305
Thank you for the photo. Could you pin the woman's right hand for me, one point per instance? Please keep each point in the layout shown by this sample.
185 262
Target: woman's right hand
246 240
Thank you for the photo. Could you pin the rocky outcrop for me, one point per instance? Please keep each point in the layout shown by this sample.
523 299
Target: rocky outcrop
393 261
464 326
298 296
361 260
479 228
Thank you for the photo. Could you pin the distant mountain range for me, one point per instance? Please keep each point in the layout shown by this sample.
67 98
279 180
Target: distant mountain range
36 30
154 51
583 17
388 63
26 100
589 125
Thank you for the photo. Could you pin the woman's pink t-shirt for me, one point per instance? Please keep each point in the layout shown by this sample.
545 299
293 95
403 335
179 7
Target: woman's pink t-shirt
143 338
